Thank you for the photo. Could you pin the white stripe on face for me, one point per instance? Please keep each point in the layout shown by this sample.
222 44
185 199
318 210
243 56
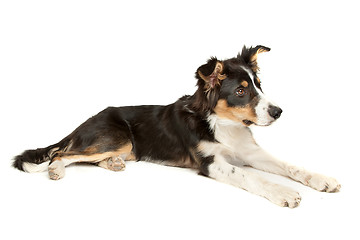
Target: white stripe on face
262 108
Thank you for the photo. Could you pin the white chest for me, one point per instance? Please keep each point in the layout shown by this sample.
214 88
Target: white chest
233 136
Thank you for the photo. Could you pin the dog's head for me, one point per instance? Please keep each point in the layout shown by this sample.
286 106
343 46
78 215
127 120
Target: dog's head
232 90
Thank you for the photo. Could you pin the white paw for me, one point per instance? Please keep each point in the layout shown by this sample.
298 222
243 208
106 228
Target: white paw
113 163
56 170
323 183
116 164
314 180
283 196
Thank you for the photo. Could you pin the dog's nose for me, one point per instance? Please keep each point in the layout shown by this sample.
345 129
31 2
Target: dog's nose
274 112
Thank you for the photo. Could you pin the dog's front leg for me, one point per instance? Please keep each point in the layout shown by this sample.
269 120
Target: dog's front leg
223 171
260 159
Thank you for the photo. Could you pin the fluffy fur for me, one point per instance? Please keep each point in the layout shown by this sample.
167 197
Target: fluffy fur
207 131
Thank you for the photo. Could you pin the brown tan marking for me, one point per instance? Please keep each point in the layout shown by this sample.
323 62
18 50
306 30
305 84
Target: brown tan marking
53 151
130 157
96 157
237 114
244 83
68 147
91 150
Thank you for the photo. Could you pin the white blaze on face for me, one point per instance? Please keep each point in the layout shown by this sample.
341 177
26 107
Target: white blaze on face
262 108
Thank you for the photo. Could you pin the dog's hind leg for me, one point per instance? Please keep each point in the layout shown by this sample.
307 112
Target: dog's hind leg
113 160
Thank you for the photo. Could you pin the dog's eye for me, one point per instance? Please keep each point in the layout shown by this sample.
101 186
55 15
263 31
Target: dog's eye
240 92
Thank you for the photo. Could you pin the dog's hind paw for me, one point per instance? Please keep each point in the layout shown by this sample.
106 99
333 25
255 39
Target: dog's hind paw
116 164
113 163
56 170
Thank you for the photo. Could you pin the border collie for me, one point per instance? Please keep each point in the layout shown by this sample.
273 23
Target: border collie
208 131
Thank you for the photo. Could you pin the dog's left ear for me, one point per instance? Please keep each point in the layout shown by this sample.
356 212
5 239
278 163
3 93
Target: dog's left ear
250 55
211 73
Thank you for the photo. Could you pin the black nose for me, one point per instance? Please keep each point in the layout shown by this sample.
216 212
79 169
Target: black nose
274 112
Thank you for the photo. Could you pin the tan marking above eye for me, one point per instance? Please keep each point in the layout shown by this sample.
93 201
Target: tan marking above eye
258 80
244 83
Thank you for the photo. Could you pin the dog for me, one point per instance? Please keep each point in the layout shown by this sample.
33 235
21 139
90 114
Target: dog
207 131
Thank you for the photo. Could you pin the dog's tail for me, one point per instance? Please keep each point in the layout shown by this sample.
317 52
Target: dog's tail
36 160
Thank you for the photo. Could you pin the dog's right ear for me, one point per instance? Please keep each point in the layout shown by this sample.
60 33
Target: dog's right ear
211 73
250 55
209 78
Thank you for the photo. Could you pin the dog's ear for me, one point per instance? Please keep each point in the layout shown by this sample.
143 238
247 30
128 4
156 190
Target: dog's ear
250 55
211 73
209 78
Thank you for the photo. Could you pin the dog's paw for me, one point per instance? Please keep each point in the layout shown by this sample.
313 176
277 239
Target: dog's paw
283 196
323 183
116 164
56 170
314 180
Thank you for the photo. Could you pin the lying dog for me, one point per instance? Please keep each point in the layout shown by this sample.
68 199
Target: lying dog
208 131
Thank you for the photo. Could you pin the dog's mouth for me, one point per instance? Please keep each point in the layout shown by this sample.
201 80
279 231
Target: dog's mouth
247 122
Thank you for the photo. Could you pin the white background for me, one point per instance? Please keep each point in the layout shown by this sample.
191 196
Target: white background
63 61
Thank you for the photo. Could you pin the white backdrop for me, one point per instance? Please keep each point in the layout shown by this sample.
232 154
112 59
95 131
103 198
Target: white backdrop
63 61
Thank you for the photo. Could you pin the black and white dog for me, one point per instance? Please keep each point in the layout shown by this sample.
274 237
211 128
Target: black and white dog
207 131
